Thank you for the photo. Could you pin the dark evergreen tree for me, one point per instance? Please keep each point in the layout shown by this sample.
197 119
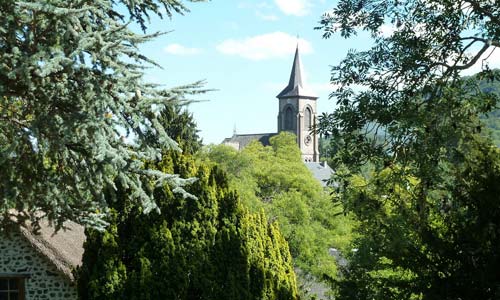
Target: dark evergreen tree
207 247
179 125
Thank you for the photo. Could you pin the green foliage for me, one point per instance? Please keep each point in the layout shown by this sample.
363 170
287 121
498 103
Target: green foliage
387 90
204 248
491 120
275 179
179 125
327 149
428 211
71 94
441 245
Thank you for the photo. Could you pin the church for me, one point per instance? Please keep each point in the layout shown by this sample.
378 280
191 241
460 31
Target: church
297 114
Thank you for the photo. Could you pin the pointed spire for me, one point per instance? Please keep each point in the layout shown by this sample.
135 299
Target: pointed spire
296 85
296 75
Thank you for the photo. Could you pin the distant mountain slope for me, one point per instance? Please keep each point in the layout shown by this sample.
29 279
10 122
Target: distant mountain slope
492 119
328 147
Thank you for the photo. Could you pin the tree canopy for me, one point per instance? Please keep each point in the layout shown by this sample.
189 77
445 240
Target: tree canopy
74 109
203 247
427 199
439 245
386 89
492 119
275 179
208 247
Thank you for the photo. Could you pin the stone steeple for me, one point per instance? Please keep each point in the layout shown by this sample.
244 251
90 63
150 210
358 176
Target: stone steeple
297 112
296 85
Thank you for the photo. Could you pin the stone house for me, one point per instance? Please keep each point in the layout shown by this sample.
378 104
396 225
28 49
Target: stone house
39 266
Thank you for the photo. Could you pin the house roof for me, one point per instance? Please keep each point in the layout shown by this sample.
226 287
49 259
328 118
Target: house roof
242 140
63 249
321 171
296 86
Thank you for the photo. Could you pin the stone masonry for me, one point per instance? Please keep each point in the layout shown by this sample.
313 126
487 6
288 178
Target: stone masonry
44 281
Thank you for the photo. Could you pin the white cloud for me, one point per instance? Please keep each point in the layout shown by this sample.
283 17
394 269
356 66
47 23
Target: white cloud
244 5
294 7
266 17
264 5
265 46
178 49
263 10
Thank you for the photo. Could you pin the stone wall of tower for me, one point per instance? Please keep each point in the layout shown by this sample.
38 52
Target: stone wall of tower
308 145
283 105
306 138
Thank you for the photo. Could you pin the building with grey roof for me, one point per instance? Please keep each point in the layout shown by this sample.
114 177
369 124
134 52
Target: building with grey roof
321 171
296 113
240 141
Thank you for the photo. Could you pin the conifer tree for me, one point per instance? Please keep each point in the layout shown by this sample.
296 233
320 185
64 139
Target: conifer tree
179 124
203 248
74 109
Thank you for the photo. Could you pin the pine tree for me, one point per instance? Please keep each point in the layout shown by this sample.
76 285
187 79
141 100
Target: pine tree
179 124
207 247
74 109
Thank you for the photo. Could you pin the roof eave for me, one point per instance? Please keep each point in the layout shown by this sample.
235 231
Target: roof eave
297 92
62 266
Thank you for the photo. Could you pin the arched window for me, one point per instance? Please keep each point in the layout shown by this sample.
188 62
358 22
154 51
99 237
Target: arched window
308 118
289 118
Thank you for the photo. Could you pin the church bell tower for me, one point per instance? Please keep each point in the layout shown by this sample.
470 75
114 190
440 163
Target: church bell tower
297 112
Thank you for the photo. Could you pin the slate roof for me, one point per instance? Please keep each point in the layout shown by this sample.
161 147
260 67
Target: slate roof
296 85
320 170
240 141
64 249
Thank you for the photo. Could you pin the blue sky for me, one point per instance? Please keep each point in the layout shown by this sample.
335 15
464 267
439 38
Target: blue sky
244 49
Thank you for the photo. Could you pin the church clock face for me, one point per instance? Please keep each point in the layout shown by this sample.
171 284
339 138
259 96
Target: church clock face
307 140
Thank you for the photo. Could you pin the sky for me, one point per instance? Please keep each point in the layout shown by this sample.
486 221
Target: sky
244 50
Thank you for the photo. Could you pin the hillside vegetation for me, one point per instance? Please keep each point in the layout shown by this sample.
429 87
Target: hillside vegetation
492 119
